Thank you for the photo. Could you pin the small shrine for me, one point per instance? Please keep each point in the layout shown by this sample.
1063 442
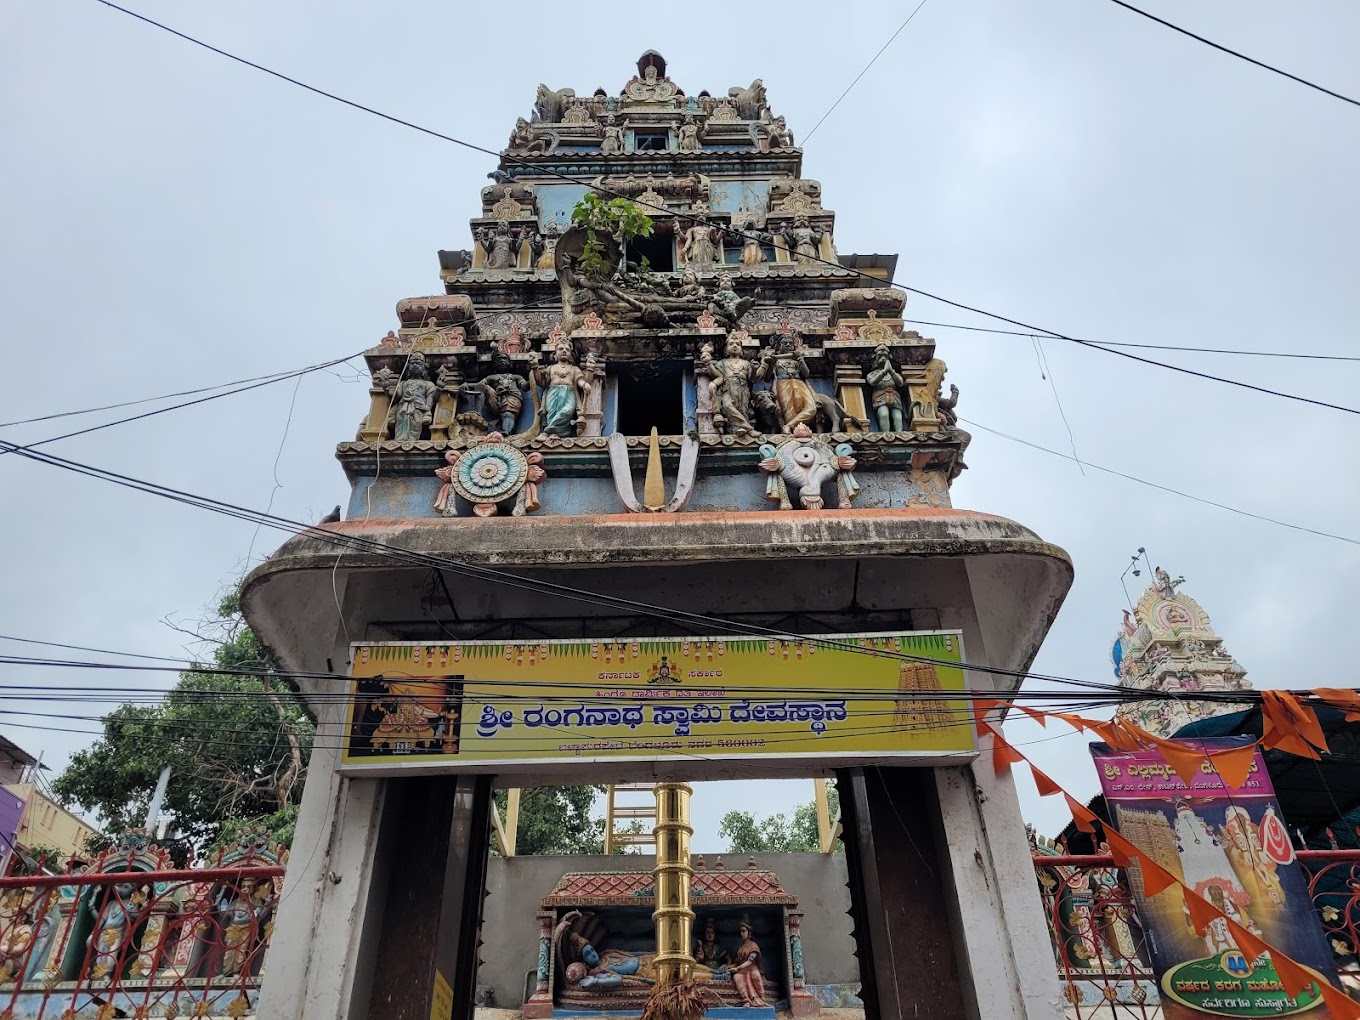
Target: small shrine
597 943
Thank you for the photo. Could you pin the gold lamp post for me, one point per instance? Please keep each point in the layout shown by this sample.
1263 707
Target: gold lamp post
674 996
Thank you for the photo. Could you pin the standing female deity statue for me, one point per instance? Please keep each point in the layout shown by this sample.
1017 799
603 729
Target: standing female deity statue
566 388
700 244
803 240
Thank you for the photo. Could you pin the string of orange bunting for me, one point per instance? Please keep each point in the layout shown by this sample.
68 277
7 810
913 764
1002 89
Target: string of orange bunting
1288 724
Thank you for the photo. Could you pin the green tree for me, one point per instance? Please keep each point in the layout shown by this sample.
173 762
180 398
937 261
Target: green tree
609 225
237 747
777 833
556 820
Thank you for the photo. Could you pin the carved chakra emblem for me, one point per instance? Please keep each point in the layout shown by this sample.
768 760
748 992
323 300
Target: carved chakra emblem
490 473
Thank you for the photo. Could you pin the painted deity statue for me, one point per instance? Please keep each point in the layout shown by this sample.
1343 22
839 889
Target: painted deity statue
566 386
500 245
784 365
110 945
709 951
802 240
412 395
699 244
746 971
730 386
244 919
925 397
885 382
545 257
503 391
612 143
689 135
752 251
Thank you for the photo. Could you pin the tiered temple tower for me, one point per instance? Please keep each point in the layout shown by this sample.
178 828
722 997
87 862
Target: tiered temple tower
798 477
1167 644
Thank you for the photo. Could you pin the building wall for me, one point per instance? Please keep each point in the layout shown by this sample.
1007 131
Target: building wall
47 823
515 885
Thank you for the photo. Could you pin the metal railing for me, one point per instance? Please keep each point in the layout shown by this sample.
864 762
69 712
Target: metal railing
125 941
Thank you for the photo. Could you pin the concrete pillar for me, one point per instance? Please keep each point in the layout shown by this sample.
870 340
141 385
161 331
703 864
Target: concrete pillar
316 949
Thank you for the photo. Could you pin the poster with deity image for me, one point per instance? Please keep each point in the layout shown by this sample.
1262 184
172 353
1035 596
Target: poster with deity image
1229 845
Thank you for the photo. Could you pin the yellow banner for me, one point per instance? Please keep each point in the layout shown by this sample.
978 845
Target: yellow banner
846 698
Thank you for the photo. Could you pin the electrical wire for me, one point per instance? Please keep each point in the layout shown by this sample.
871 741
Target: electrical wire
507 157
298 374
862 73
163 396
1240 56
1164 488
1151 347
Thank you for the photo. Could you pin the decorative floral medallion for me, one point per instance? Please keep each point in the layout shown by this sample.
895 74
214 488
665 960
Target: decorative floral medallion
489 474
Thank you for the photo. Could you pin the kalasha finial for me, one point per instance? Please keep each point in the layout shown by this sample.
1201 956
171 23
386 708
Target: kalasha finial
801 431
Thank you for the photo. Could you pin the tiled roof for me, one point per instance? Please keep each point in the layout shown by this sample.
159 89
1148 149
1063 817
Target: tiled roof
582 888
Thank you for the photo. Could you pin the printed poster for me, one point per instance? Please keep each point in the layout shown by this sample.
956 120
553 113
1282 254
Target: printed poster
1232 847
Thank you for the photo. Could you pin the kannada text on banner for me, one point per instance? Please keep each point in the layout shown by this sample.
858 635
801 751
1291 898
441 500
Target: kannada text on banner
448 706
1231 847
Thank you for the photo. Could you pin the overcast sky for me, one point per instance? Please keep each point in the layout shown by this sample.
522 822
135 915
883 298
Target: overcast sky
174 220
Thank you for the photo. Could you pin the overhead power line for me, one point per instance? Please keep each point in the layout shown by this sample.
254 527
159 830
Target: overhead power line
1240 56
1151 347
550 172
1164 488
873 60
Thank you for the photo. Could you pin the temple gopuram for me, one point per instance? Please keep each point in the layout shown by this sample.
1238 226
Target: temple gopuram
657 489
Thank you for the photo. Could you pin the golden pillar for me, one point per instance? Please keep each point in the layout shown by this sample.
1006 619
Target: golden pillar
673 917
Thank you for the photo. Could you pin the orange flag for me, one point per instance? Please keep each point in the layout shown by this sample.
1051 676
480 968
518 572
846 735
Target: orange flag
1289 726
1075 721
1250 944
1003 755
1343 1007
1045 786
1156 878
1186 760
1202 912
1340 698
1294 976
1081 815
1235 765
1035 714
980 709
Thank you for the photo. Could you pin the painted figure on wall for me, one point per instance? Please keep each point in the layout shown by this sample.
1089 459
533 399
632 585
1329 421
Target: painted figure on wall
885 382
564 397
785 367
412 395
746 971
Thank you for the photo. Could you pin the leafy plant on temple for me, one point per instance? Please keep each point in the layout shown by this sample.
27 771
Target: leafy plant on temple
614 220
237 747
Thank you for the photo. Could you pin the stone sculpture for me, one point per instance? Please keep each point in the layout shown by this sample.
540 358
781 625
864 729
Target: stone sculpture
500 244
503 392
699 244
612 144
885 382
522 139
948 417
804 463
689 135
748 101
709 951
785 367
802 239
548 245
729 383
752 247
412 395
925 396
565 387
550 103
779 134
490 475
726 305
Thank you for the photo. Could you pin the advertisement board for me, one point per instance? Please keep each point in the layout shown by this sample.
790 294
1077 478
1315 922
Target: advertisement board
551 707
1231 847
